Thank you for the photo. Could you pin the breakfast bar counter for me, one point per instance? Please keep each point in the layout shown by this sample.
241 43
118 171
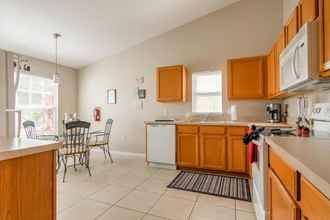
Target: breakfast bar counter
27 179
219 123
309 156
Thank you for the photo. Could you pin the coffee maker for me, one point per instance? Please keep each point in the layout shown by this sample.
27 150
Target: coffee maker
273 113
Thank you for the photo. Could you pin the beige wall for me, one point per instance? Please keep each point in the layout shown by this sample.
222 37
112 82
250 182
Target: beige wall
288 6
3 94
68 91
246 28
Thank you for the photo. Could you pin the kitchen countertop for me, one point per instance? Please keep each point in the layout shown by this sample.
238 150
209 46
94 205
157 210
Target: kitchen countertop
309 156
18 147
222 123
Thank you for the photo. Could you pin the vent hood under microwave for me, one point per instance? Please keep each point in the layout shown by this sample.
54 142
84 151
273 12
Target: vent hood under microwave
299 62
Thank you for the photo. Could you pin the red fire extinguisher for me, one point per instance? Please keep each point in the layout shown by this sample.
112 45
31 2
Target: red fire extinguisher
97 114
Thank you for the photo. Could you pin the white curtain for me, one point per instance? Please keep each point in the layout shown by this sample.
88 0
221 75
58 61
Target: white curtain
12 84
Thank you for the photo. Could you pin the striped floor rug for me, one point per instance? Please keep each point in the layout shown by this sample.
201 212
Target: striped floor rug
213 184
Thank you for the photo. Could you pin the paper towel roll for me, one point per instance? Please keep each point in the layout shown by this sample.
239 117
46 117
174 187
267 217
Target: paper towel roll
233 113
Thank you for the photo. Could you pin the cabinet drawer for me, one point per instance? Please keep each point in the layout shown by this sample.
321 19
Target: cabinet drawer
286 174
187 129
313 203
236 131
212 130
281 205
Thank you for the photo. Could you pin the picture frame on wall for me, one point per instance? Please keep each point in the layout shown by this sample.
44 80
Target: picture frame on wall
111 96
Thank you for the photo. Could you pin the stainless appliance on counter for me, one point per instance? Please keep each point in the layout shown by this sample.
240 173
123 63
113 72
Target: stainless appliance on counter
273 113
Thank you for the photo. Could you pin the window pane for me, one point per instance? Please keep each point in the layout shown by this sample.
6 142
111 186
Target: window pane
208 104
22 98
24 82
48 100
37 84
44 120
208 83
36 99
207 92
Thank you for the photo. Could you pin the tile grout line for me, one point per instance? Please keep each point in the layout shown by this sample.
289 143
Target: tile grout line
235 209
102 213
189 217
136 189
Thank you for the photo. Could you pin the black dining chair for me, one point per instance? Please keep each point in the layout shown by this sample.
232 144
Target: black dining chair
31 133
75 145
102 139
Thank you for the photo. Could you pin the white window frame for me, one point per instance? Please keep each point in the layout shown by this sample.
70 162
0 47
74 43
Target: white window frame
38 107
194 93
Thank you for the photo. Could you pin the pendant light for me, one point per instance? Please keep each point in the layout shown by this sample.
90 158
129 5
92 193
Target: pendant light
56 76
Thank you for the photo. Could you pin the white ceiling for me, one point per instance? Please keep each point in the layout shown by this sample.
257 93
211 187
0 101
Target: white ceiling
92 29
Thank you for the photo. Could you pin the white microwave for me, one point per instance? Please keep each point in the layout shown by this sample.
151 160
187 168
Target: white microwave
299 61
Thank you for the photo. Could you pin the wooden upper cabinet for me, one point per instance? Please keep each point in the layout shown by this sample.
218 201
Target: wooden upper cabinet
314 205
279 47
187 146
271 73
213 152
246 78
324 11
281 204
308 11
171 84
292 26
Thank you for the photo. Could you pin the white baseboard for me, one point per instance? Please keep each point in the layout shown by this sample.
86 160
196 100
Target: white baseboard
127 153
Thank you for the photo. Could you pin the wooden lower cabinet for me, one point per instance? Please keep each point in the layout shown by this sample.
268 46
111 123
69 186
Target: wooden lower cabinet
187 150
28 187
237 160
213 152
218 148
281 204
314 205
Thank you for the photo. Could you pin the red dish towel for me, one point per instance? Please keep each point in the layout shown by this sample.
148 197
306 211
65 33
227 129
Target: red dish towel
252 152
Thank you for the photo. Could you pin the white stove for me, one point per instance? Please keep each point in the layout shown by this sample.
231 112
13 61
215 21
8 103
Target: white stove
321 126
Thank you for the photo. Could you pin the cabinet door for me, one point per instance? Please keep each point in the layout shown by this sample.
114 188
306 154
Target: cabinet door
28 187
171 84
281 205
280 46
271 74
213 152
246 78
308 11
292 25
325 36
314 205
236 154
187 150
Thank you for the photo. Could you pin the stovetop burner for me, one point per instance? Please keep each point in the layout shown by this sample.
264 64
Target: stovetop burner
279 132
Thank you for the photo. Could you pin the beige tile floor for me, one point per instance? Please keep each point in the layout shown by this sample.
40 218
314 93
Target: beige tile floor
130 190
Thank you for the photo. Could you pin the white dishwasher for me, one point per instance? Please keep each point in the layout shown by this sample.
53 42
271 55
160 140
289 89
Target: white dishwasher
161 146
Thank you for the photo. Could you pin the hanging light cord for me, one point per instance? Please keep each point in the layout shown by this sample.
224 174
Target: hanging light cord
56 36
